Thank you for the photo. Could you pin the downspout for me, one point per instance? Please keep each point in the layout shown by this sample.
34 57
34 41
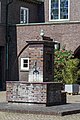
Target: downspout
7 38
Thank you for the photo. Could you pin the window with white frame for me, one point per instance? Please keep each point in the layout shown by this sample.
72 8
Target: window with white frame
24 64
24 15
59 9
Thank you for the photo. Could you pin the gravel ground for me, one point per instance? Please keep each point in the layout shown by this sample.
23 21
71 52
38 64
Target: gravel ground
19 116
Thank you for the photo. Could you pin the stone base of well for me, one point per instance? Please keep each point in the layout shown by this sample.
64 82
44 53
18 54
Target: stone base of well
48 93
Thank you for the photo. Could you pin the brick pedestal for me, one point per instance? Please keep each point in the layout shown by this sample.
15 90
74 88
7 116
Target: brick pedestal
48 93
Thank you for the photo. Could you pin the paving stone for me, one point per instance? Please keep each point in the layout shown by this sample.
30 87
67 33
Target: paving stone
37 109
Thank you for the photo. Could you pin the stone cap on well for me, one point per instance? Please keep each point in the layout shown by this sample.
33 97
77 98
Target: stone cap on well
34 82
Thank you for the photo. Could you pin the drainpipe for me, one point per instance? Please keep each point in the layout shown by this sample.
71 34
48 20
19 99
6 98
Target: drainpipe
8 2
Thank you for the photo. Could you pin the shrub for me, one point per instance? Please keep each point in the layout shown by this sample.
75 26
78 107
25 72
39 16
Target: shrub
71 72
61 59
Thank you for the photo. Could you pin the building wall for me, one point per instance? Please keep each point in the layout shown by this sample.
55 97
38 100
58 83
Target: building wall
2 21
74 10
14 11
2 45
2 35
0 11
13 18
66 33
3 11
13 63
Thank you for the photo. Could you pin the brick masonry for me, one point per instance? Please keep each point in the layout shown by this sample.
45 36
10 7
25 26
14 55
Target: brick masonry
66 33
47 93
41 53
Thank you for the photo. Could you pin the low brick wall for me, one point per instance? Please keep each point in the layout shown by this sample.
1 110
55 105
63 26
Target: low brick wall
48 93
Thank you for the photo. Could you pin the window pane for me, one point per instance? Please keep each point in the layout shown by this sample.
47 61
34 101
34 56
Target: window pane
25 65
25 61
22 14
25 16
63 9
54 9
22 11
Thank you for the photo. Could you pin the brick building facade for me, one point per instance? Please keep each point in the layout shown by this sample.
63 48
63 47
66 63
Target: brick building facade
65 31
14 12
61 24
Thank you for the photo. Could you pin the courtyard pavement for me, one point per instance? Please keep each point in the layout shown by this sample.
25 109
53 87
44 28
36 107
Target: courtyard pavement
23 112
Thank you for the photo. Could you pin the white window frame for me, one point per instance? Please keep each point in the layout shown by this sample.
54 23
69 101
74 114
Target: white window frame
59 12
22 64
24 21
